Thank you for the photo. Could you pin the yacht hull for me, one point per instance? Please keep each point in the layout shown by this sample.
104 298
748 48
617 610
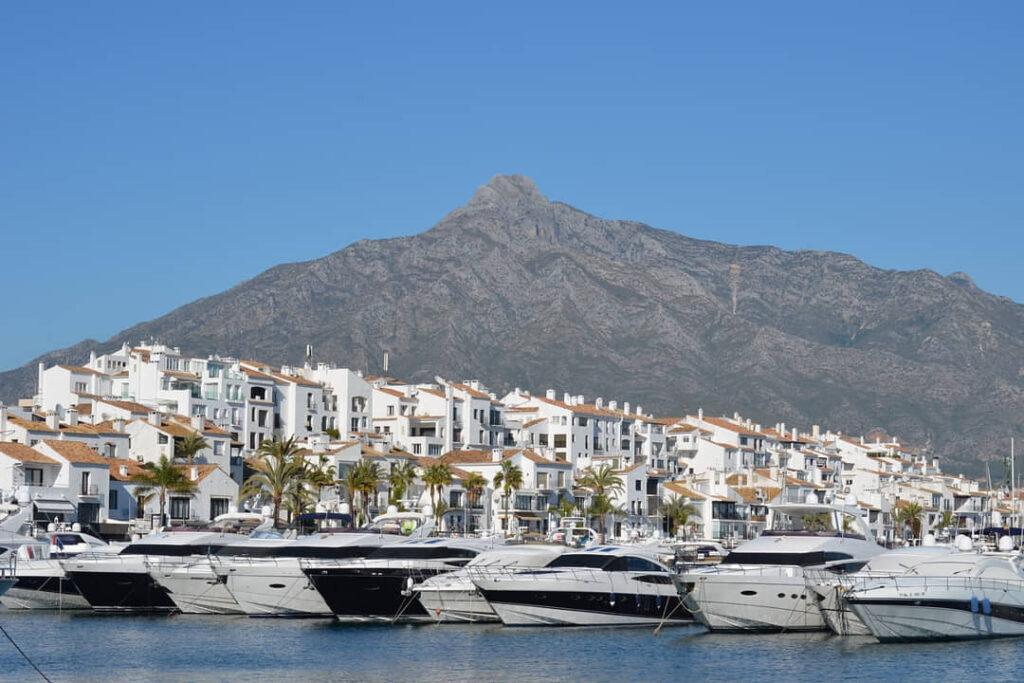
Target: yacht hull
123 591
742 602
925 618
44 592
370 594
276 588
464 605
838 616
573 608
197 589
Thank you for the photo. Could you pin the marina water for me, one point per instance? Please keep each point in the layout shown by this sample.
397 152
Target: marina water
84 646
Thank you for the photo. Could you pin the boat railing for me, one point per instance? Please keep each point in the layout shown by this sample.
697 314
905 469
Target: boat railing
913 584
787 570
579 574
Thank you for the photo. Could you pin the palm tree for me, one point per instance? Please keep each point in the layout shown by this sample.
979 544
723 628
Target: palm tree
436 477
401 478
509 478
601 482
159 478
279 469
679 513
946 520
564 508
189 445
320 475
368 476
475 484
910 514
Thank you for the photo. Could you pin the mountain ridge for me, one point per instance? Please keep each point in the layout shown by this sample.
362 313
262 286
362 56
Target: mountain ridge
516 289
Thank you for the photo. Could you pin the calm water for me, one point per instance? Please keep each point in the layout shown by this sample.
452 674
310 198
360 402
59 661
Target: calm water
85 646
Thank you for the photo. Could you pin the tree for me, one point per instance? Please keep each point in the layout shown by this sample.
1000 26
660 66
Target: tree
679 513
946 520
279 468
475 485
161 477
368 476
436 477
401 478
320 475
509 478
911 514
564 508
601 483
189 445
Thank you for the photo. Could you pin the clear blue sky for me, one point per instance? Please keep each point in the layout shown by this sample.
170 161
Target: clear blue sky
154 153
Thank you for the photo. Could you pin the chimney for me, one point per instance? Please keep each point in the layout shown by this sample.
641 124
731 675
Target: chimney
599 403
782 430
566 398
580 400
52 421
198 423
71 415
119 424
550 394
736 417
625 407
796 434
757 427
154 418
123 469
39 379
92 360
193 473
815 431
700 415
613 405
3 422
639 410
496 454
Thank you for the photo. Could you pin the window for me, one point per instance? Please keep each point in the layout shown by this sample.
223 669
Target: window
113 500
638 484
542 480
218 506
80 387
391 410
33 476
434 450
218 448
162 439
561 480
180 507
416 449
355 424
86 478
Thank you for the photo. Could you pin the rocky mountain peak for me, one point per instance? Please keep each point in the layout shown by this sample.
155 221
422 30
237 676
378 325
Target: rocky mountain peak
507 192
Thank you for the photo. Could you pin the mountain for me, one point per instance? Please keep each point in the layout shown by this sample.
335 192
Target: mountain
515 289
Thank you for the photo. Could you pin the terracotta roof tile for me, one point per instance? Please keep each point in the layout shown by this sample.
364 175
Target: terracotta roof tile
76 451
23 453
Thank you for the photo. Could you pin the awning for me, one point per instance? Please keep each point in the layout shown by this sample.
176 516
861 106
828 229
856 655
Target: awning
53 505
533 517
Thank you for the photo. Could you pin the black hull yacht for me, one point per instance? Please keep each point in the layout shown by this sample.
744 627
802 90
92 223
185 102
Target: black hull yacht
378 587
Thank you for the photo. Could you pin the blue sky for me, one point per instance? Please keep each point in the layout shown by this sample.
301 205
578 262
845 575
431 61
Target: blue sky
153 154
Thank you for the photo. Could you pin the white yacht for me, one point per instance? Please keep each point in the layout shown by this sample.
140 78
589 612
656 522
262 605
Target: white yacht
121 582
830 588
41 580
274 584
379 586
198 588
956 597
599 586
760 586
453 597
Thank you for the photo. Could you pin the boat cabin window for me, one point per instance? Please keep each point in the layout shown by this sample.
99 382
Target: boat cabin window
342 552
427 552
182 550
587 560
813 524
639 564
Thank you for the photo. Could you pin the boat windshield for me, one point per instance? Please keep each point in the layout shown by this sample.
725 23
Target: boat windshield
816 558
